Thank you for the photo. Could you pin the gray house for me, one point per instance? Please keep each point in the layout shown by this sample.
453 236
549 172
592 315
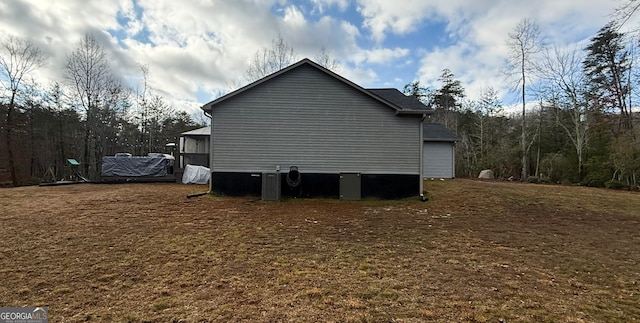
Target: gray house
438 151
316 134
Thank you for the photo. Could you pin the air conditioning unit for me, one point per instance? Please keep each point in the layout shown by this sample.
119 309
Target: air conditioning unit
271 186
350 186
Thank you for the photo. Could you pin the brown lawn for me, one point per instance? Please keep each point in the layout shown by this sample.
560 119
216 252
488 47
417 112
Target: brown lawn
477 251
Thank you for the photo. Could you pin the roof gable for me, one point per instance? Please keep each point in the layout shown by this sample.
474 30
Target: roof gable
392 101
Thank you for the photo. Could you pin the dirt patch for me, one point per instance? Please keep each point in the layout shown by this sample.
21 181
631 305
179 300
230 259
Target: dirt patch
477 251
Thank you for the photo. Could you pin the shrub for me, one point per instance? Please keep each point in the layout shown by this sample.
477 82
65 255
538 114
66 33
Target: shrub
614 184
566 182
598 171
544 180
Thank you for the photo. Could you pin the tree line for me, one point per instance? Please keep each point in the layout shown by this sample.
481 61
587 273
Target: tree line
576 123
85 116
90 113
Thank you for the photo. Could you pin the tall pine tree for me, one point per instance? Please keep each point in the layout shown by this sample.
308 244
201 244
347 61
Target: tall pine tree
606 66
447 100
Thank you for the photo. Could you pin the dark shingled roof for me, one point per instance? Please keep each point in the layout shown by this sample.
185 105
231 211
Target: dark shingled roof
437 132
406 102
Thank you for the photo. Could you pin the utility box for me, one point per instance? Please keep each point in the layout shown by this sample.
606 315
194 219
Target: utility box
271 186
350 186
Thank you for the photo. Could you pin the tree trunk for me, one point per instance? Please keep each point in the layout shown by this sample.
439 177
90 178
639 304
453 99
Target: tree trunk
524 141
62 158
32 148
539 142
481 136
12 168
87 144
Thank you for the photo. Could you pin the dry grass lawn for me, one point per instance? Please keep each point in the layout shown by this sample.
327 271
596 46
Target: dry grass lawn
477 251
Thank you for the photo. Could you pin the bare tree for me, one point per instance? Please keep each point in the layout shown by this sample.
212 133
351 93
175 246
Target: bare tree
486 108
624 12
57 106
326 60
18 58
269 60
89 74
565 85
142 105
158 112
109 115
523 42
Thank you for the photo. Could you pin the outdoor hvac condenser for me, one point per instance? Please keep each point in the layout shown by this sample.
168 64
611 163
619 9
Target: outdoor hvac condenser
350 186
271 186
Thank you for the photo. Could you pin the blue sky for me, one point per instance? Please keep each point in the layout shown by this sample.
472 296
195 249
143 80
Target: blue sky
197 49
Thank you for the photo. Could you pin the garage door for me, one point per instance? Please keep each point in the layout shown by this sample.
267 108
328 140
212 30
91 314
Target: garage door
438 160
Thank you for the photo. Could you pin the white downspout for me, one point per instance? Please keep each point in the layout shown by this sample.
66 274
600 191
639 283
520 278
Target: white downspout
422 197
210 116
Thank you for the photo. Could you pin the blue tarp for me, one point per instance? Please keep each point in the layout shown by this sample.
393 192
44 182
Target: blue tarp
134 166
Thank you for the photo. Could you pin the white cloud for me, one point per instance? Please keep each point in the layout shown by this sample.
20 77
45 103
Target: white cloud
294 17
360 76
193 46
380 55
477 57
321 5
382 16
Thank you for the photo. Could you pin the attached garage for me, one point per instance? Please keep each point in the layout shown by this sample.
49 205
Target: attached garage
439 151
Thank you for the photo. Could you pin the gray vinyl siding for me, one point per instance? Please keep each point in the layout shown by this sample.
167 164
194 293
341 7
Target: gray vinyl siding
311 120
438 160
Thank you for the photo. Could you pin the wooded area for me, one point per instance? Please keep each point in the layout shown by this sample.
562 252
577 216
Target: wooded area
88 115
577 123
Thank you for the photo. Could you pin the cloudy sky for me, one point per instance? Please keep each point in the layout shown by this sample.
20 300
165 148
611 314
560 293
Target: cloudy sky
196 49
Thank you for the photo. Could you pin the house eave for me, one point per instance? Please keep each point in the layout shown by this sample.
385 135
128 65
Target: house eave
440 140
414 112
